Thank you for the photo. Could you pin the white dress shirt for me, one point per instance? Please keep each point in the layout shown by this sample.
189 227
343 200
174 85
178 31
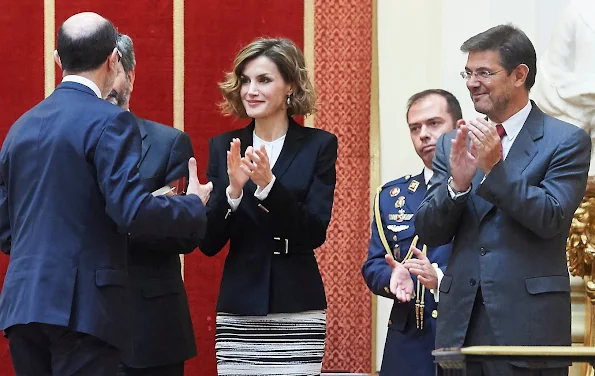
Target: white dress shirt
83 81
273 149
513 126
427 176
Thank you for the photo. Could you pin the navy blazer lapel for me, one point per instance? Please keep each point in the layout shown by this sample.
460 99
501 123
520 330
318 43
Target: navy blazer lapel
523 149
291 145
145 141
414 197
247 139
481 206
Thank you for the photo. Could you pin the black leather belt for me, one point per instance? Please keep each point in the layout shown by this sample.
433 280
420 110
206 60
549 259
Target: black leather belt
284 247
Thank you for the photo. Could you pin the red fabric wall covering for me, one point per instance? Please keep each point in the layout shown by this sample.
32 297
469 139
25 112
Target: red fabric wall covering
343 65
21 43
150 25
214 33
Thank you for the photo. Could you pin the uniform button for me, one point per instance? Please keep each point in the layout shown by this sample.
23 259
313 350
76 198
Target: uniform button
483 251
435 314
386 290
472 282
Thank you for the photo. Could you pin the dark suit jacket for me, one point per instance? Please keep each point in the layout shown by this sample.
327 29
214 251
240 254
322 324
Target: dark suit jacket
162 330
510 235
292 221
70 192
408 349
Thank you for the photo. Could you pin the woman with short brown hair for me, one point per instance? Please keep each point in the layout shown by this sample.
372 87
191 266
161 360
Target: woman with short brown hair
274 184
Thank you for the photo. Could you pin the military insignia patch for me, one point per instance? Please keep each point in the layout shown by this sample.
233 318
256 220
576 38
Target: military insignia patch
400 216
413 185
397 228
400 202
395 191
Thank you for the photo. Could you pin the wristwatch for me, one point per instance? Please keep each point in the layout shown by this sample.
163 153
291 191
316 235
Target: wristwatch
454 194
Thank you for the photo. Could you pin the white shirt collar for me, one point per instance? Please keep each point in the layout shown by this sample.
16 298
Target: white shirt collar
261 141
514 124
428 175
273 148
83 81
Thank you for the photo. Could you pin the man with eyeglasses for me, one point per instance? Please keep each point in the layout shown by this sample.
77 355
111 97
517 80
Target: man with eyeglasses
70 192
505 187
162 337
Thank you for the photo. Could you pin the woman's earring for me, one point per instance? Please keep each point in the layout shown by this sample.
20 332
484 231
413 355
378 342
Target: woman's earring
288 100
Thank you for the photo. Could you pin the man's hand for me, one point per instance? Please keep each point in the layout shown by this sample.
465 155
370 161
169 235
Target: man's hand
203 191
487 143
401 284
237 176
463 164
422 268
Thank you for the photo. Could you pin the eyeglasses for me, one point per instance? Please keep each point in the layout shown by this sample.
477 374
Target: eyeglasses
481 75
119 54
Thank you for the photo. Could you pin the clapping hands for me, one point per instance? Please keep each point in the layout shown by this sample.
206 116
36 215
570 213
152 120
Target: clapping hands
254 165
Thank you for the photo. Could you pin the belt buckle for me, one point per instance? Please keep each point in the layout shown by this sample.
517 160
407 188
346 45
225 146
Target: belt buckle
286 245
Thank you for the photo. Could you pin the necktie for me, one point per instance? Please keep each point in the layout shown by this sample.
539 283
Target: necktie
501 132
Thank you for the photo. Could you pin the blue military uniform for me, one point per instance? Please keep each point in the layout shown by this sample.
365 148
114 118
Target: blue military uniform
408 344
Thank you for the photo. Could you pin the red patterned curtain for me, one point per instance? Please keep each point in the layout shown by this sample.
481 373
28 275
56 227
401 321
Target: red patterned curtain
213 32
343 72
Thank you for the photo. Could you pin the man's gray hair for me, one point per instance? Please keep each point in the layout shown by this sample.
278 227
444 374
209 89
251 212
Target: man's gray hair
126 48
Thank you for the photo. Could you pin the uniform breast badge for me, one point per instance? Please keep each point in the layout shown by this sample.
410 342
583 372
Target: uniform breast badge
400 216
394 192
400 202
397 228
413 185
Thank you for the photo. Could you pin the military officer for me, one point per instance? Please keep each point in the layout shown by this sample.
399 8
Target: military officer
411 328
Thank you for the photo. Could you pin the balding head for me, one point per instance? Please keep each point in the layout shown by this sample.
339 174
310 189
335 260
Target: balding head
85 41
83 25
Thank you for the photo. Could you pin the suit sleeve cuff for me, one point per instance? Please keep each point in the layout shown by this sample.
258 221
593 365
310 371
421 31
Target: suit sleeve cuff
439 275
233 202
263 193
453 195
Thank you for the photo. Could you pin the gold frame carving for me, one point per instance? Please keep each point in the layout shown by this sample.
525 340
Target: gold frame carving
580 252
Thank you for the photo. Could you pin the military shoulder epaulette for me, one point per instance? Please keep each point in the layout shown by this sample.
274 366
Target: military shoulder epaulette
393 183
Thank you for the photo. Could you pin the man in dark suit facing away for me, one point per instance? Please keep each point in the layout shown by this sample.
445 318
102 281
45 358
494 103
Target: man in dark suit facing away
505 188
162 337
70 192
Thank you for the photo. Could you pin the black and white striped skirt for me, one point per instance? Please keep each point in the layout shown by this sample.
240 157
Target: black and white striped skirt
276 344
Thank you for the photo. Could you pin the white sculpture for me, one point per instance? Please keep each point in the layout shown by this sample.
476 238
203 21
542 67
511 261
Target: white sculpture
565 86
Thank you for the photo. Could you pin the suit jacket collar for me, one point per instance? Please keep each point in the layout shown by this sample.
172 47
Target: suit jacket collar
145 141
521 153
76 86
141 125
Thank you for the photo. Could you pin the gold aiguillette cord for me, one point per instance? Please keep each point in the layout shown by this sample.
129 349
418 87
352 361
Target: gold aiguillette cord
419 297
